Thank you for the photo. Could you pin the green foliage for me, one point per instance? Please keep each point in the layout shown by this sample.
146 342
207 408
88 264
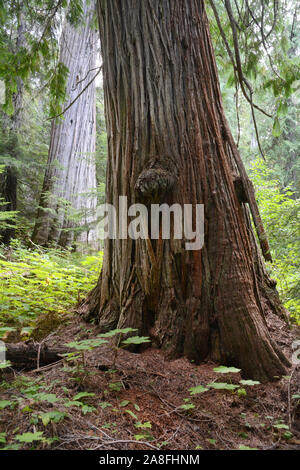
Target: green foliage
29 437
250 383
197 390
268 42
226 370
7 217
242 447
222 386
136 340
33 53
280 213
188 405
34 283
90 344
52 416
5 403
58 86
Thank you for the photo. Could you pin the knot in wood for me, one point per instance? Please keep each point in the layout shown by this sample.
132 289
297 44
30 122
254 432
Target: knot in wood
153 182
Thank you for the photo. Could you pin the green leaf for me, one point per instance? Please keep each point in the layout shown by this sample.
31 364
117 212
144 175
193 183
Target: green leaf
250 383
212 441
87 409
30 437
112 333
116 387
55 416
131 414
242 447
146 425
226 370
48 397
197 390
222 386
124 403
276 128
282 109
83 395
86 345
5 364
104 404
136 340
4 404
140 437
280 426
187 406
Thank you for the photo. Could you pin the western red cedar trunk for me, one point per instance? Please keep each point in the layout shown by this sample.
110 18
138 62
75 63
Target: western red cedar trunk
169 142
68 201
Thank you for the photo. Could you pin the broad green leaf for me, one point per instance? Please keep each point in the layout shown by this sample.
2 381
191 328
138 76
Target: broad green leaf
222 386
226 370
197 390
187 406
112 333
4 404
250 383
280 426
146 425
83 395
140 437
124 403
55 416
136 340
104 404
30 437
48 397
276 128
5 364
131 414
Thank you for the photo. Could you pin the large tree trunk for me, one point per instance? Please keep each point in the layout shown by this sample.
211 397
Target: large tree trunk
68 201
164 111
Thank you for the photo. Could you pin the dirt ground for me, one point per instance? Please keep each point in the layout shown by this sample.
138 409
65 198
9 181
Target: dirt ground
138 402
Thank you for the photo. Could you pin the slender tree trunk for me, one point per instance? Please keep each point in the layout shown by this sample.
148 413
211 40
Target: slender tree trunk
164 113
69 188
9 177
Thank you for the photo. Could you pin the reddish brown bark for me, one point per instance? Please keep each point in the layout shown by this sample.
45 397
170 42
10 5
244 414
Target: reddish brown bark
164 111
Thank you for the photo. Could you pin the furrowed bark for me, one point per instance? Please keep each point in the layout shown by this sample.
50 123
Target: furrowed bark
169 142
68 202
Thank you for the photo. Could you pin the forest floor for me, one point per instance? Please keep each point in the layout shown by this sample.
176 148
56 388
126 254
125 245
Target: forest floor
143 402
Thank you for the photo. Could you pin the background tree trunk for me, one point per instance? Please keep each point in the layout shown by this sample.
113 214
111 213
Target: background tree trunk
9 177
69 189
164 110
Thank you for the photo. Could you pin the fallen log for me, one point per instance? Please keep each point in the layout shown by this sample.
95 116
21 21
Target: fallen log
28 356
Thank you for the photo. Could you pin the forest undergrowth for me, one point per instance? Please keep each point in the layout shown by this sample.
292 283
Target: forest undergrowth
103 397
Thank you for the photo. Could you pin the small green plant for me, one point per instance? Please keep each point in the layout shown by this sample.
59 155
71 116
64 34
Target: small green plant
223 386
100 340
